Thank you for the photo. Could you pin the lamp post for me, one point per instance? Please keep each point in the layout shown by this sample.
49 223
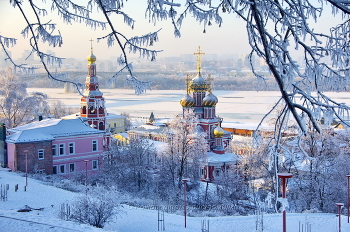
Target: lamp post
340 205
185 180
86 172
284 176
26 153
348 176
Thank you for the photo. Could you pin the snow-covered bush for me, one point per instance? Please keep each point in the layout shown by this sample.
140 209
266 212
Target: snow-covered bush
96 208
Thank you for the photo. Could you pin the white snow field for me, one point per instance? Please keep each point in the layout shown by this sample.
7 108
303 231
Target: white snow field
133 219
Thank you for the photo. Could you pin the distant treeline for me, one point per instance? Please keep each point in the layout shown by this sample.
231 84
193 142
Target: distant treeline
165 81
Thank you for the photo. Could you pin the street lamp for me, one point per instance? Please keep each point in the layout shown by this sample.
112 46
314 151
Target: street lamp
26 153
284 176
340 205
348 176
185 180
86 172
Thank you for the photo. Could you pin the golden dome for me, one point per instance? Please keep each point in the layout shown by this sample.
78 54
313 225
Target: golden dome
218 132
187 101
210 100
199 84
91 59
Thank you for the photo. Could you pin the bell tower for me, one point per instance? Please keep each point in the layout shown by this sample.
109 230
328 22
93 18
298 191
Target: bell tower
92 104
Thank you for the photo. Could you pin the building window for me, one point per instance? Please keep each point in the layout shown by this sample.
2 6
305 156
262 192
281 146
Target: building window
217 172
95 164
62 168
40 154
61 149
71 148
71 167
94 145
54 170
54 149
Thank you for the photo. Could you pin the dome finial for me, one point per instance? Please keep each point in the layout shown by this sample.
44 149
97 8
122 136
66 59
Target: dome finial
199 53
92 58
188 79
91 46
209 79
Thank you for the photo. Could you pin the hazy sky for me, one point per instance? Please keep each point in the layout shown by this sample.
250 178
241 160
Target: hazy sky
229 38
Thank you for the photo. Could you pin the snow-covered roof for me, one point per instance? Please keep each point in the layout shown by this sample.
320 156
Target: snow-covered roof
150 129
246 126
213 158
49 129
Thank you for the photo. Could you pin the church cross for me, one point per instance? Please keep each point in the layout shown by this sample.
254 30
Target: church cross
209 80
188 79
91 45
199 53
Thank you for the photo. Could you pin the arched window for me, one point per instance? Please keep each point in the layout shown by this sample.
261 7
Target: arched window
101 126
91 110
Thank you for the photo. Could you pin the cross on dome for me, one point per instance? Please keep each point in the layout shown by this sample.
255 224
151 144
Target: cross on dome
92 58
91 46
199 53
209 80
188 79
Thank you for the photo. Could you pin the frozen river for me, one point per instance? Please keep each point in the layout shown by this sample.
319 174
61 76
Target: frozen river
233 106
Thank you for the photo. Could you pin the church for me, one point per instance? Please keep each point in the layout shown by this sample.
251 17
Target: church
219 164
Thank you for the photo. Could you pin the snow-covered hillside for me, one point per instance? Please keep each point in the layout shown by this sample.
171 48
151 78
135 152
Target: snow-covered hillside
132 219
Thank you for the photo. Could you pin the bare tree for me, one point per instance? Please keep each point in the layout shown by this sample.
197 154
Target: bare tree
186 147
96 208
16 105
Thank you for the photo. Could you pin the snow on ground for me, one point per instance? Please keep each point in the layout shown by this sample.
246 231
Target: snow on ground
132 219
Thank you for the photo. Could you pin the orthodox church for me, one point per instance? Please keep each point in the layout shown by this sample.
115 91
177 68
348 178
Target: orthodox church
92 104
202 101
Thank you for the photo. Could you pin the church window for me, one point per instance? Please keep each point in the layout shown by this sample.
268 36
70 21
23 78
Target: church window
100 126
217 172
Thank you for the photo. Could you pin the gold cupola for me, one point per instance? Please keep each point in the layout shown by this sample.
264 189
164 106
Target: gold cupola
92 58
218 131
187 100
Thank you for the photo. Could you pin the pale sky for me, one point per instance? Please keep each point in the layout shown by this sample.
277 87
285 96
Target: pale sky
230 38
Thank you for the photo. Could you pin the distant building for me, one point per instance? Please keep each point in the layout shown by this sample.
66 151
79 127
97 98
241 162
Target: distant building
55 146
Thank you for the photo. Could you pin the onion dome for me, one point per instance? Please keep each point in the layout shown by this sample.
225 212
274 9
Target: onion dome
187 101
91 59
218 132
210 100
199 84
